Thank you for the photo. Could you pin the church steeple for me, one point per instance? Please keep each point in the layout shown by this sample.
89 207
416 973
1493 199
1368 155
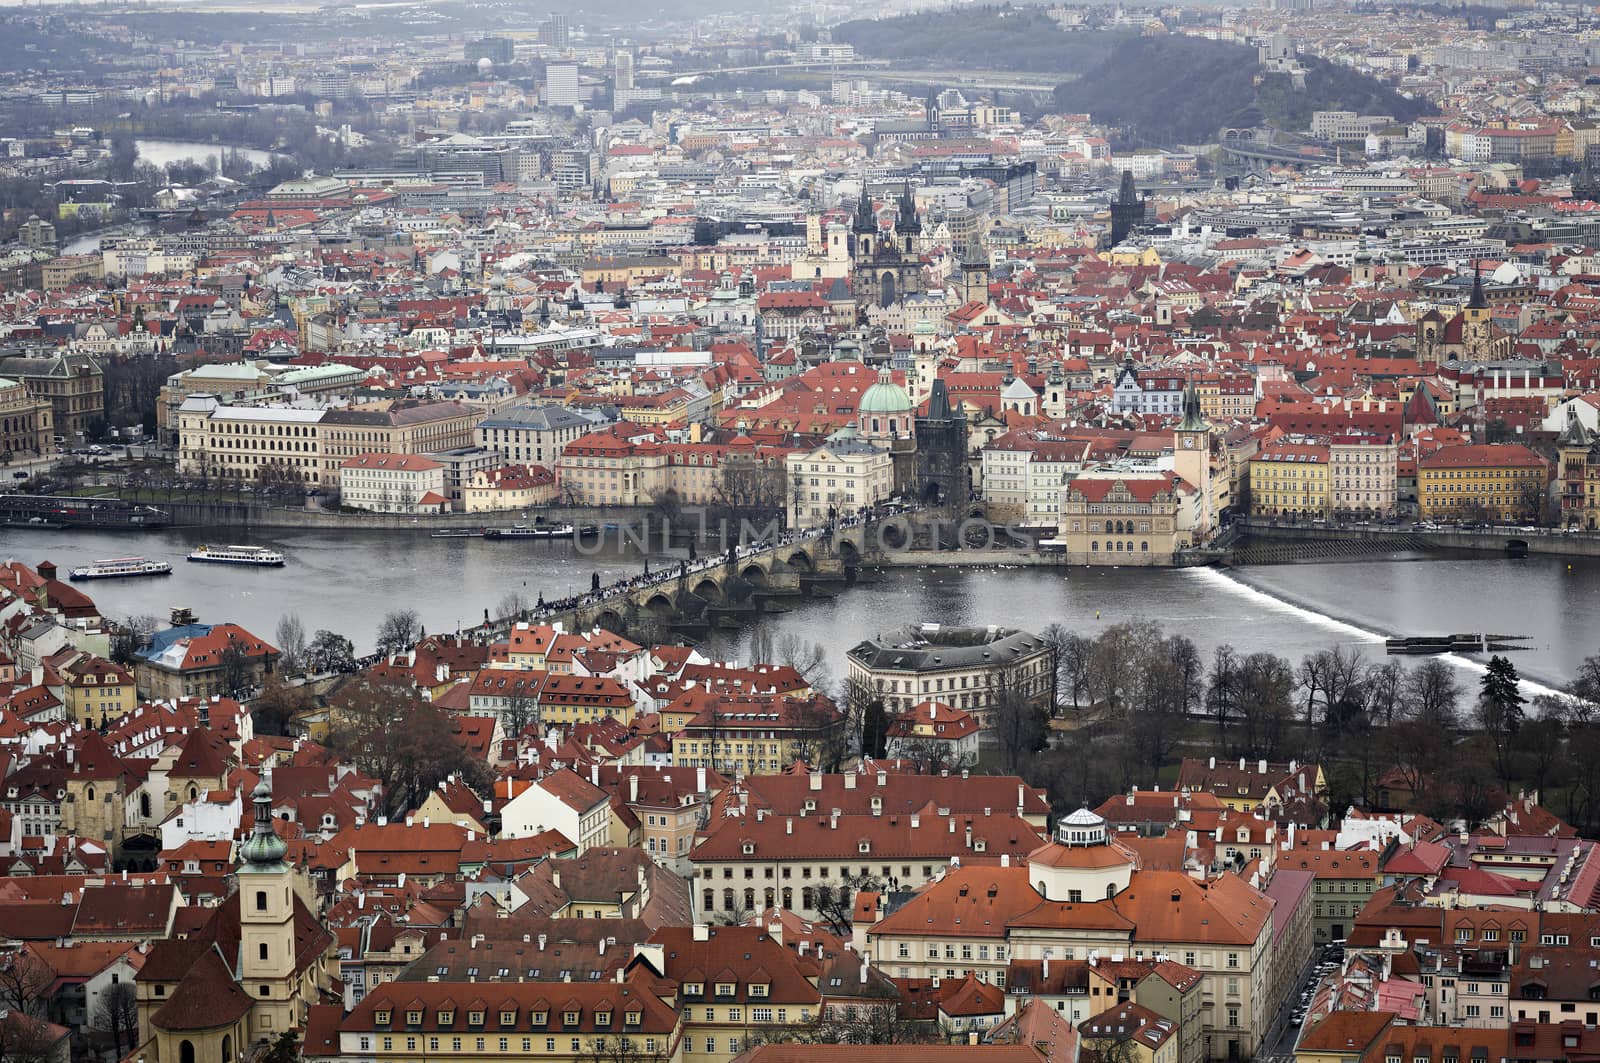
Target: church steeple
866 221
263 851
1478 301
908 223
1193 419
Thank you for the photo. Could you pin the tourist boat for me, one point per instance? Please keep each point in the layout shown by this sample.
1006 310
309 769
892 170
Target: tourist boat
456 533
121 568
237 555
536 531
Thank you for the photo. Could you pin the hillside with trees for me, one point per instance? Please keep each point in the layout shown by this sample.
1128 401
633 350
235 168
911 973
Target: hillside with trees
1162 90
980 38
1182 90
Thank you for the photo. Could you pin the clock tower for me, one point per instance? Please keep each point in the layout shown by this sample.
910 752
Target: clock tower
1191 460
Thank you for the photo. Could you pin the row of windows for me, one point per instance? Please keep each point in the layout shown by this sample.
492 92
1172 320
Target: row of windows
480 1044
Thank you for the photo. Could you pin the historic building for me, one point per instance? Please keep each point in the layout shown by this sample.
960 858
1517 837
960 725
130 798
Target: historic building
971 669
887 266
1470 336
1578 473
27 423
250 973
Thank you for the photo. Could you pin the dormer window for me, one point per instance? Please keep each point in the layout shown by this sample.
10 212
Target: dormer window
413 1018
865 846
694 989
508 1018
381 1017
758 989
447 1018
540 1018
475 1018
569 1018
602 1018
725 989
632 1018
749 848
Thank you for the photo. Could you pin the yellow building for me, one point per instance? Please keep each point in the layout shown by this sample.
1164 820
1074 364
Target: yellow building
1290 478
1500 482
1117 516
26 423
98 692
625 271
251 974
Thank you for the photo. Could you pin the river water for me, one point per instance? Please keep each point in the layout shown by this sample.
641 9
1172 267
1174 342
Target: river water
161 152
346 582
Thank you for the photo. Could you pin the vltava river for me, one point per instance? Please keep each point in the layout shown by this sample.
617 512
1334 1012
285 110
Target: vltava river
346 582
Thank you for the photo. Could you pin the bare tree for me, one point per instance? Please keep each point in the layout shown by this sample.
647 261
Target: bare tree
235 672
836 905
517 711
25 982
398 630
400 740
808 658
291 638
512 606
131 635
1019 723
1222 687
117 1013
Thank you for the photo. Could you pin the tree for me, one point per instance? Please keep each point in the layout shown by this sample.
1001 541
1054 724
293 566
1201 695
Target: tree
836 904
399 739
1384 684
1500 712
1222 686
810 659
1433 694
875 730
285 1048
398 630
1072 664
277 706
291 638
1266 702
117 1013
27 1038
236 674
1019 723
517 711
330 653
513 606
130 636
25 982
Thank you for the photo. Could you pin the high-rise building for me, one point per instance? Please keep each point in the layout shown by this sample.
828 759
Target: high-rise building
622 71
497 50
555 32
561 85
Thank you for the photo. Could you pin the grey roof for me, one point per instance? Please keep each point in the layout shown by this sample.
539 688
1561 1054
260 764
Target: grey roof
543 418
432 411
933 648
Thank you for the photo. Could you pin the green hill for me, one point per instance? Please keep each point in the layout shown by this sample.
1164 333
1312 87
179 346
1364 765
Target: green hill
1171 90
1164 90
979 38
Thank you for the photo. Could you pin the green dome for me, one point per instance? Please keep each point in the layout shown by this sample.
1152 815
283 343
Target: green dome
885 397
263 850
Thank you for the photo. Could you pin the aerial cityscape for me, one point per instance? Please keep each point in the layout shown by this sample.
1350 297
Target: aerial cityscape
713 532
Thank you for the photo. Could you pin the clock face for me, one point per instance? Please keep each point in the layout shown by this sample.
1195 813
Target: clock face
1188 442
